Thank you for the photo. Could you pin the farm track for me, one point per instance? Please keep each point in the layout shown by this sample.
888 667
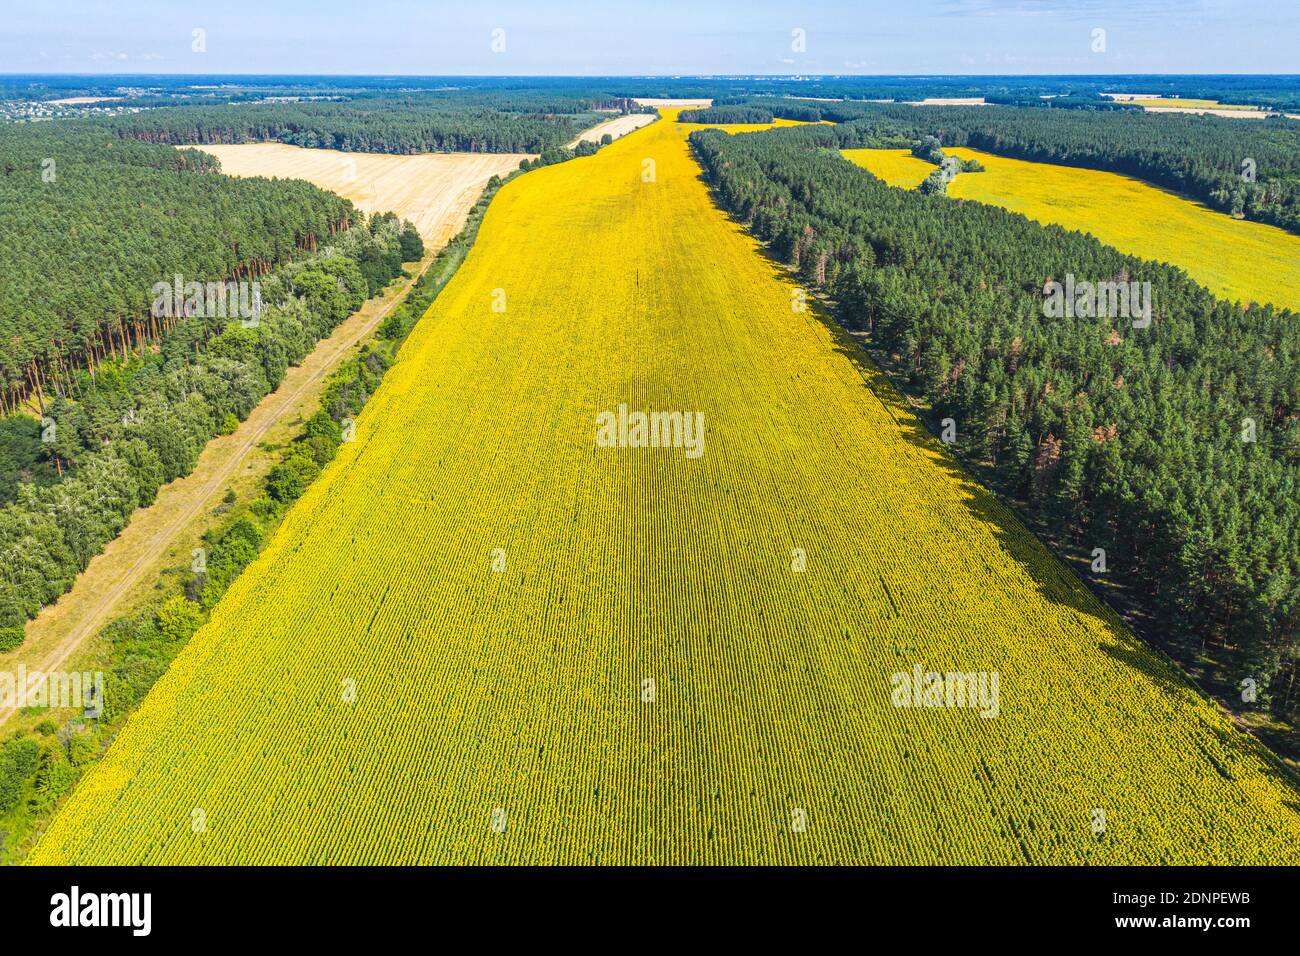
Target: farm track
372 691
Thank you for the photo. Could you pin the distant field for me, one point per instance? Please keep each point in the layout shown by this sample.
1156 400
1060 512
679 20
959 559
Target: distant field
898 167
1200 107
433 190
1233 258
616 127
483 637
951 101
83 100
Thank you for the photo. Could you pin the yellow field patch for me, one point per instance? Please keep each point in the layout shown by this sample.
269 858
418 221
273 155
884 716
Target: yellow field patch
1234 259
898 167
1174 102
482 637
614 128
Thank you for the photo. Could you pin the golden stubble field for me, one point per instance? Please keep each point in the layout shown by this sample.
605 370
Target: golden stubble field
481 637
1233 258
434 190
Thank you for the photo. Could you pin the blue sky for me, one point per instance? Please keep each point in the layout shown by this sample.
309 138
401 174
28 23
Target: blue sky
577 37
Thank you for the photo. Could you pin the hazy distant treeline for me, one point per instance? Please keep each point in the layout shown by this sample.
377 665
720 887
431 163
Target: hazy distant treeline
89 223
476 122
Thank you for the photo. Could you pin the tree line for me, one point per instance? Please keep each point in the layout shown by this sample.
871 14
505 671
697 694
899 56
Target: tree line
481 123
1174 448
929 149
112 434
37 769
90 222
1246 168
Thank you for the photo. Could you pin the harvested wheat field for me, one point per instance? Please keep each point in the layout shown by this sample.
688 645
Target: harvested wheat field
433 190
1233 258
83 100
542 641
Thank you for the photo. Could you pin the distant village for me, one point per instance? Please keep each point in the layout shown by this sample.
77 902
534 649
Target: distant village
33 111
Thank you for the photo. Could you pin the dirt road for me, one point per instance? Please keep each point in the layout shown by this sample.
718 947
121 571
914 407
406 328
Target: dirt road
141 551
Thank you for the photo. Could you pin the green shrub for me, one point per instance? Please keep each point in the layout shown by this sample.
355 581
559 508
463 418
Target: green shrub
11 637
83 747
179 618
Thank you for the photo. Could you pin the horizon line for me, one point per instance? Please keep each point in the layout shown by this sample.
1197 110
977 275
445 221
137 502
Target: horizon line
634 76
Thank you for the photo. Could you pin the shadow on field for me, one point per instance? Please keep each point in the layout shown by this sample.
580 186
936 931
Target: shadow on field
1054 579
